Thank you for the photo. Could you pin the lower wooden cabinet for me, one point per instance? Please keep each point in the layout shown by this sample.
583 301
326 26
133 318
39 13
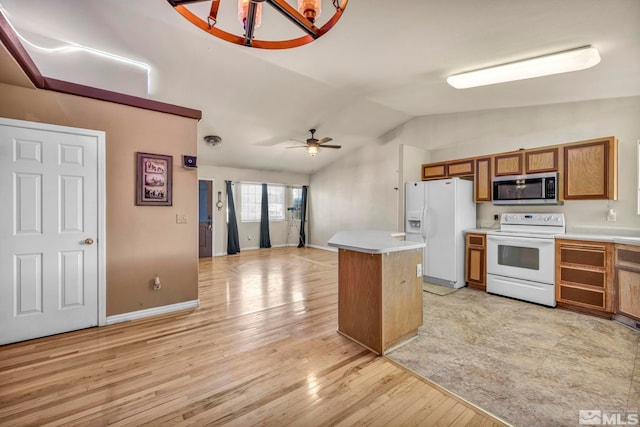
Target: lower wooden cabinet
628 281
584 278
476 262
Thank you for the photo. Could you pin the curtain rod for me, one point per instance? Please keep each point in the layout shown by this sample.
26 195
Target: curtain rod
268 183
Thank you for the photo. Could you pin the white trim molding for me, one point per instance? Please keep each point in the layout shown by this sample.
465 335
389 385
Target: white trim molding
155 311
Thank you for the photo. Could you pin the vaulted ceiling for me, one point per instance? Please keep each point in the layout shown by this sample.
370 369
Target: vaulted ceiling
381 65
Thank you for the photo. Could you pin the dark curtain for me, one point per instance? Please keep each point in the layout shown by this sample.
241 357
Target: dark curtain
265 241
233 241
303 216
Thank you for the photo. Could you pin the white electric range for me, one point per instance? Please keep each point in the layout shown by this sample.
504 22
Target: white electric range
521 256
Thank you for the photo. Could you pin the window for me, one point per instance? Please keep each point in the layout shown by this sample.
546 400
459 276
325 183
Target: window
296 202
276 202
251 202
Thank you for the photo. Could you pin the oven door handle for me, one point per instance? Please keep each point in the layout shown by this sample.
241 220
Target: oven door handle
529 241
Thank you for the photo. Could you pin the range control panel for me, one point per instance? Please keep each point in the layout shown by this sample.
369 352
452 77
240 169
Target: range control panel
543 219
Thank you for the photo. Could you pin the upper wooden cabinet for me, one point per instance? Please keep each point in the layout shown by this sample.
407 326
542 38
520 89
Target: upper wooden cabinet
434 171
539 161
586 169
508 164
462 167
591 170
482 181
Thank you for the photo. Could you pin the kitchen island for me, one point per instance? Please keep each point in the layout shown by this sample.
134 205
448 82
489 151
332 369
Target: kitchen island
379 288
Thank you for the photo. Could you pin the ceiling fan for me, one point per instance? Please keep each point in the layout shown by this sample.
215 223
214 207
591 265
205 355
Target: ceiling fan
313 144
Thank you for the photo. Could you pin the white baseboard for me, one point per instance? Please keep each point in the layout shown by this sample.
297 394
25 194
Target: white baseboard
324 248
155 311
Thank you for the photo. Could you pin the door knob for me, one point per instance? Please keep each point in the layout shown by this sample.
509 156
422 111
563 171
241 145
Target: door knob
88 241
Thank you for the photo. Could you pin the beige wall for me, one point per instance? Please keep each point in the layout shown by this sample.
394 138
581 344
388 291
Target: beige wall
142 241
280 232
360 191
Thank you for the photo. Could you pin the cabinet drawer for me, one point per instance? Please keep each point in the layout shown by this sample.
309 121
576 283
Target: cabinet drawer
475 240
584 277
582 296
587 256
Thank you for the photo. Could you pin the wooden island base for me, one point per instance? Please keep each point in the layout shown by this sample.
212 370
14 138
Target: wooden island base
379 297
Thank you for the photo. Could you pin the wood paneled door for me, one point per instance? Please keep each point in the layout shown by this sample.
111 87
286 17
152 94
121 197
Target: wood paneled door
205 218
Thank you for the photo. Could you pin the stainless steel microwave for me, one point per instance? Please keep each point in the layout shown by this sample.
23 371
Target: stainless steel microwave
534 189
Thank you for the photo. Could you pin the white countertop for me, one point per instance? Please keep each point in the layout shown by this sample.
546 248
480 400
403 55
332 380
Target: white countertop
372 241
623 236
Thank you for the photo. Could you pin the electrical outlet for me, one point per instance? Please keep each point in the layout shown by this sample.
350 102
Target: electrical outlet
496 217
248 237
419 270
611 215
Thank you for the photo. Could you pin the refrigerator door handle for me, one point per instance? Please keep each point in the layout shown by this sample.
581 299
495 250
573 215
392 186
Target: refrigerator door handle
423 224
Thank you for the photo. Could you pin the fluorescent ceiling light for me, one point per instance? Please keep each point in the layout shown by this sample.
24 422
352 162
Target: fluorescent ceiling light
555 63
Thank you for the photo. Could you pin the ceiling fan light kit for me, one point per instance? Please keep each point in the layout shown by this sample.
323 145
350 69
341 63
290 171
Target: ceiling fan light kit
250 16
556 63
313 144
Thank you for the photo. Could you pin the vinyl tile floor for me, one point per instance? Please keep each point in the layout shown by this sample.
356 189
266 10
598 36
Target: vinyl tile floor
530 365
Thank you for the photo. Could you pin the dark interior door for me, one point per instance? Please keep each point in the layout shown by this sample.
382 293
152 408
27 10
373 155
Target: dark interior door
205 221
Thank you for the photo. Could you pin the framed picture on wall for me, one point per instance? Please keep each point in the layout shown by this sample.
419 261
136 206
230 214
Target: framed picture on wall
153 187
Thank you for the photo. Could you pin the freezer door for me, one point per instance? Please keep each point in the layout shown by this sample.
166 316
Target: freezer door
413 206
440 226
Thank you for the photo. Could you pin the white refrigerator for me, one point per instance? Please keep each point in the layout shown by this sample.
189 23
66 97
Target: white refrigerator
437 213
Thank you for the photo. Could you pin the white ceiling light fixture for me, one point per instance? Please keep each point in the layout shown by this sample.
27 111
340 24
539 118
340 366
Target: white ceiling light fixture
556 63
212 140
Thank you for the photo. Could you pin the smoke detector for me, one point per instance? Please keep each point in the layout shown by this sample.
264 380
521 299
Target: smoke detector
212 140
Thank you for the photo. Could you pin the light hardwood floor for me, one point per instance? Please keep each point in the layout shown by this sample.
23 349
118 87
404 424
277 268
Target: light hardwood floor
262 348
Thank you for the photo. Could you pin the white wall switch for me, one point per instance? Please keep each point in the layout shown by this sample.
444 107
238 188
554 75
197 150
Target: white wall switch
182 218
419 270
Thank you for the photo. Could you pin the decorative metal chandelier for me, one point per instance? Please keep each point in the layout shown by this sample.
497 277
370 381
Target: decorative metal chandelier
250 16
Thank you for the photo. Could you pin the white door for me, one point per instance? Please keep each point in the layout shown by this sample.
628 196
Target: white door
48 230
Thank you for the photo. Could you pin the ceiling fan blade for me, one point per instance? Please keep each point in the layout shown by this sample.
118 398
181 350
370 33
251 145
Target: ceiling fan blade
298 146
325 139
331 146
